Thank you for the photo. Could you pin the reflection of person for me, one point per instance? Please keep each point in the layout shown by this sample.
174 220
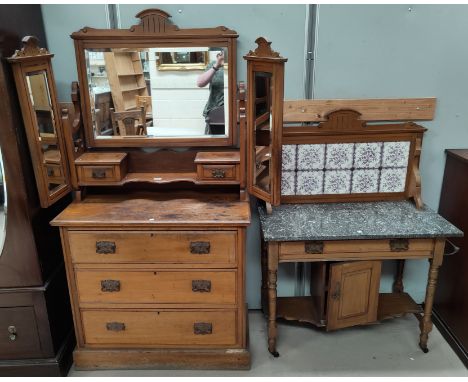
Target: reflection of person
215 104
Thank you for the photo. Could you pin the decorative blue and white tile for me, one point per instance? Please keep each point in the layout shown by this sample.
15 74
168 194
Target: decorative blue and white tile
367 155
309 182
288 157
288 182
337 182
365 181
395 154
392 180
311 157
339 156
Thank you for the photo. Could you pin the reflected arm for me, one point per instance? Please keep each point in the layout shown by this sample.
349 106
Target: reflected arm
205 78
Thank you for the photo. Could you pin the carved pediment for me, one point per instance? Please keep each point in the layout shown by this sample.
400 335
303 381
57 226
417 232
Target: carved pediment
30 48
344 119
264 51
154 21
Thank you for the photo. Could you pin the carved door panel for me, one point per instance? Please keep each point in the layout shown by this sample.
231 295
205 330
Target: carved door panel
353 293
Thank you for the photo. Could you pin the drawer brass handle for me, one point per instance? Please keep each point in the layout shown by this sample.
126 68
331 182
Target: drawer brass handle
105 247
399 245
202 328
115 326
12 334
200 247
110 285
313 247
201 285
50 172
98 173
218 173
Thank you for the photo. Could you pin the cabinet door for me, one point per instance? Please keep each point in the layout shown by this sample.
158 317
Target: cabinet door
265 88
353 294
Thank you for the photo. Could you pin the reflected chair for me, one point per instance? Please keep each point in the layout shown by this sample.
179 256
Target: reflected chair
132 122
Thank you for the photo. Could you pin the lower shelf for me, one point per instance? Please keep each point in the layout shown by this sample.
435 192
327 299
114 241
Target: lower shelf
393 305
306 309
303 309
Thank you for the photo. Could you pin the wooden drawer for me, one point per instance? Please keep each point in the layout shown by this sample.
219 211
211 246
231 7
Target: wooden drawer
19 337
124 328
356 249
54 173
188 247
190 287
101 168
101 174
221 172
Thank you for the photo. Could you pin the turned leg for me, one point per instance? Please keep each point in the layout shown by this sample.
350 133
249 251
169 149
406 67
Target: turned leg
264 291
272 277
425 324
398 286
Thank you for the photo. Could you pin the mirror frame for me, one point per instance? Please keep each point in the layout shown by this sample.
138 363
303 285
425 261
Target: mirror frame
30 59
155 30
264 59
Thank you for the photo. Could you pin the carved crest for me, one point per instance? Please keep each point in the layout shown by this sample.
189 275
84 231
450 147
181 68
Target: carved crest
263 49
154 21
344 119
30 48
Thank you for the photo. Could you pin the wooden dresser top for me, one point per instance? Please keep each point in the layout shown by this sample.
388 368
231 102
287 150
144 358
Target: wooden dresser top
156 209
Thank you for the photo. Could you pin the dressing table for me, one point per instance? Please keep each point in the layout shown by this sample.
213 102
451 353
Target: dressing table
154 241
342 190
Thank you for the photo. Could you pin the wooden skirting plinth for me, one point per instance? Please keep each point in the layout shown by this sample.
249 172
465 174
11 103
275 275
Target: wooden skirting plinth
236 359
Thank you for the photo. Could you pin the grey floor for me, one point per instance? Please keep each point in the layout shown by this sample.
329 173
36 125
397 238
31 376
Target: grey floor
387 349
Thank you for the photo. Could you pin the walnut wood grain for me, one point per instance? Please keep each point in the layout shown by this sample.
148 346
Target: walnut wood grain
157 287
157 209
159 328
154 247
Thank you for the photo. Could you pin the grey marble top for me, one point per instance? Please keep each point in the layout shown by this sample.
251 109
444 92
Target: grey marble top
348 221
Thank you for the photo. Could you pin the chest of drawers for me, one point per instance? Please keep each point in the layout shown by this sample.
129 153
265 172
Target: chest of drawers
157 282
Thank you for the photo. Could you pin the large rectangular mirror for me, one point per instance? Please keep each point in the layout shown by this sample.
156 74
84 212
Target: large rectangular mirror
178 92
157 85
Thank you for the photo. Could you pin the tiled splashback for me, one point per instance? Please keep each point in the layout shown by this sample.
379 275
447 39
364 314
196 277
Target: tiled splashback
344 168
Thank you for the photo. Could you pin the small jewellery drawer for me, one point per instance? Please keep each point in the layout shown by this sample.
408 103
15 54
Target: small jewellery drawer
54 172
170 287
125 328
101 168
217 172
192 247
356 249
98 174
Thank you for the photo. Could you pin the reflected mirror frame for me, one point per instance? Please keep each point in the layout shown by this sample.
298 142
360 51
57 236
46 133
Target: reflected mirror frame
32 59
264 59
155 30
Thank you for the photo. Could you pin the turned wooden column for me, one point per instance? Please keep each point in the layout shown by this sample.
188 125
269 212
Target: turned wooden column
264 262
426 322
272 278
